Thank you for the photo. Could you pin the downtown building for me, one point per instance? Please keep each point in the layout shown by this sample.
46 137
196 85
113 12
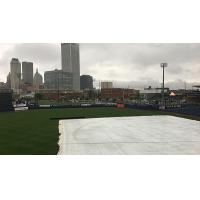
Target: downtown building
15 75
27 73
8 81
27 78
70 60
86 82
58 80
118 93
37 80
106 85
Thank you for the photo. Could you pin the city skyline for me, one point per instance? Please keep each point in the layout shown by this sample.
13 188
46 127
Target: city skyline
134 65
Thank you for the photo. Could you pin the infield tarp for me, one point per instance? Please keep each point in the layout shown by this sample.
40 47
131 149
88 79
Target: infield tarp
143 135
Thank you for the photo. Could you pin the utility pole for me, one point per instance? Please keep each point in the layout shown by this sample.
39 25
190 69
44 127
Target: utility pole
163 65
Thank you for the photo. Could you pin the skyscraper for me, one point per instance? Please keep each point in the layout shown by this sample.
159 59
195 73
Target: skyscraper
71 62
38 80
27 73
15 75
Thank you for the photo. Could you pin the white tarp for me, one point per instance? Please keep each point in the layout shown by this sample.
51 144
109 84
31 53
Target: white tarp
129 135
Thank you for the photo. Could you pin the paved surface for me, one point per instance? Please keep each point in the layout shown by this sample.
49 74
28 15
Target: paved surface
130 135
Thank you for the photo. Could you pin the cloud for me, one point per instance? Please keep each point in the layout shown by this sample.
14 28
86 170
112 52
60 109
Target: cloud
141 62
45 54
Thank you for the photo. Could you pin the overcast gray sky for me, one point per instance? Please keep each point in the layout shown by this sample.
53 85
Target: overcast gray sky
127 65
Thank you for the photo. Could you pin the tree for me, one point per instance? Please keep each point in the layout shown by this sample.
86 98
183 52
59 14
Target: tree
38 96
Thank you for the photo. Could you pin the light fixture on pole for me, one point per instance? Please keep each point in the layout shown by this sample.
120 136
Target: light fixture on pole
163 65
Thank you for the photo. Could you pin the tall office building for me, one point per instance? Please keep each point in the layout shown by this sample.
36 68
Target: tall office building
71 62
37 80
86 82
15 75
27 73
58 80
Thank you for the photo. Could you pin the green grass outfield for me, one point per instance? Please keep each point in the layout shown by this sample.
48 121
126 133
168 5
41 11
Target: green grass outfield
34 132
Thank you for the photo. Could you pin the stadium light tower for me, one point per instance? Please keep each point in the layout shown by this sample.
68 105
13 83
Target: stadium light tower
163 65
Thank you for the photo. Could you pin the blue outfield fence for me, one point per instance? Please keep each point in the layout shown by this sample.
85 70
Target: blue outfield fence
143 106
184 109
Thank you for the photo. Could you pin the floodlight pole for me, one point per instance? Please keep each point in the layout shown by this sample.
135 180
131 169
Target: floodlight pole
163 65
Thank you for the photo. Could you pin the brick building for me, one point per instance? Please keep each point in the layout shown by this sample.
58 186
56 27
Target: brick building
118 93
